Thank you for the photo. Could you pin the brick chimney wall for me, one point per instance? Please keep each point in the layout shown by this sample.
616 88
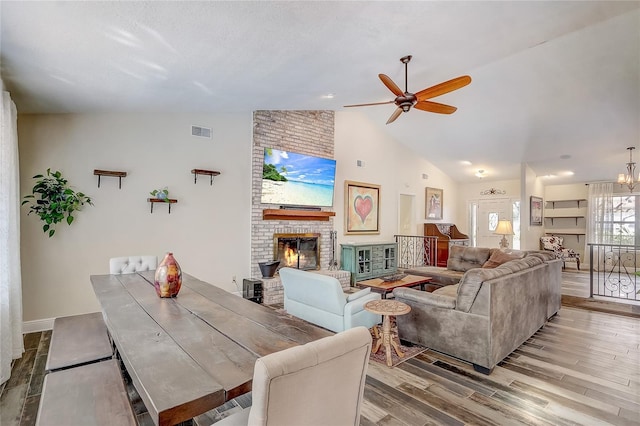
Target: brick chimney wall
305 132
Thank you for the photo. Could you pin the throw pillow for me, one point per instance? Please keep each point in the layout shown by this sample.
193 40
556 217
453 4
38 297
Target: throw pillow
498 257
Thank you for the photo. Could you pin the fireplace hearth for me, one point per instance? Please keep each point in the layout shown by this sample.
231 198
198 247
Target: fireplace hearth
301 251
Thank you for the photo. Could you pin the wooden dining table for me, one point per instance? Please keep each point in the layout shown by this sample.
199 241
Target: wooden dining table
192 353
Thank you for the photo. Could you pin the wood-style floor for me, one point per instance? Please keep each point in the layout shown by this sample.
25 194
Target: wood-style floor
582 368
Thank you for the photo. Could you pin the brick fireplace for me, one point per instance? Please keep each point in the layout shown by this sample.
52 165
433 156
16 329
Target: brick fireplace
300 251
308 132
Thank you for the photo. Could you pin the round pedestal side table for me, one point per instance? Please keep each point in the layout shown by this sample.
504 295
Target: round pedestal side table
386 308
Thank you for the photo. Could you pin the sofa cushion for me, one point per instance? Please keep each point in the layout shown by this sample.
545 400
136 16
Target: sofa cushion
498 257
472 281
520 264
448 290
438 274
546 256
463 258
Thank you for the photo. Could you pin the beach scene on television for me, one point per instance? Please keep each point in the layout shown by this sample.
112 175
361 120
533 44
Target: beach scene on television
295 179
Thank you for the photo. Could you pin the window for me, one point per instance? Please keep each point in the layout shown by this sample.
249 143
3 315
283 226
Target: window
624 219
515 215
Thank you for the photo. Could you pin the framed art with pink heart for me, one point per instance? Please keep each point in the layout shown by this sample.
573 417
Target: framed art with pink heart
433 203
362 205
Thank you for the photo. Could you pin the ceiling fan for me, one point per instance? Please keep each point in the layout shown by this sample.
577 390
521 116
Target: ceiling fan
405 100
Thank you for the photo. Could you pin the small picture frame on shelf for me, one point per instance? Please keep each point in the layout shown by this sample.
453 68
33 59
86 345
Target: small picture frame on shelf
535 211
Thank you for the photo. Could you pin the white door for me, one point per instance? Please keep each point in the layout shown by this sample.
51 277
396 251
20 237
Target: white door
489 213
406 216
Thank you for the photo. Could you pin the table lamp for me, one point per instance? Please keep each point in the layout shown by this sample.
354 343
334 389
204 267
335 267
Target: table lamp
504 228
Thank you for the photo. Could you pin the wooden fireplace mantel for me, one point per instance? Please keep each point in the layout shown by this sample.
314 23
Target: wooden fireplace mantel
283 214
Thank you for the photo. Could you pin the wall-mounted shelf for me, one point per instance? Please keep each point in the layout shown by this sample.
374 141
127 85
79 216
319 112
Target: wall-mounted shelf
168 201
210 173
562 232
284 214
577 201
111 173
564 217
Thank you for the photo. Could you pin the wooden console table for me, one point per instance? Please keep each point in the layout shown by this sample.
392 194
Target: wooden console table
192 353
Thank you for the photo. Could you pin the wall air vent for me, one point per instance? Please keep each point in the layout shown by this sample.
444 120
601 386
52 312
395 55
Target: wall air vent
203 132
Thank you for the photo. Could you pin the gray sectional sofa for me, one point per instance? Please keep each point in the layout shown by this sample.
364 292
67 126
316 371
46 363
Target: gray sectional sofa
490 311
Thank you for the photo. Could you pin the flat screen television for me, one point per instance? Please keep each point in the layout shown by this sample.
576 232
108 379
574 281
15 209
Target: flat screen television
293 179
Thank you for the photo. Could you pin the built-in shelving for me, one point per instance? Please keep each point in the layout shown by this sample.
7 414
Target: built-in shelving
110 173
210 173
566 217
168 201
285 214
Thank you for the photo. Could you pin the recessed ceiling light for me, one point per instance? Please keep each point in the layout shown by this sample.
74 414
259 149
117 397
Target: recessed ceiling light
481 173
567 173
465 163
328 96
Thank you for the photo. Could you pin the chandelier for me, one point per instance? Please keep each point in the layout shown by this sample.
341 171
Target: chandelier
629 178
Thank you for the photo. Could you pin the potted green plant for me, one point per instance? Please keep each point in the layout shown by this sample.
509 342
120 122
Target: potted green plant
53 200
161 194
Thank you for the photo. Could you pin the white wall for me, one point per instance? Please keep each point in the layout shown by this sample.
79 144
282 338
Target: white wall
477 191
566 192
390 164
531 185
208 229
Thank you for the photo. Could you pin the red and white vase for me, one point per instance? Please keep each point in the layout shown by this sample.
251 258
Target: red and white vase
168 279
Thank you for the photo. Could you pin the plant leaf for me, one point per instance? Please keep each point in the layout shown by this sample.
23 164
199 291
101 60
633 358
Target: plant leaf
51 232
69 219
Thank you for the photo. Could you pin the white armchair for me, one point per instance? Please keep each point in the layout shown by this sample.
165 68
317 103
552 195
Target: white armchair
554 243
320 300
320 383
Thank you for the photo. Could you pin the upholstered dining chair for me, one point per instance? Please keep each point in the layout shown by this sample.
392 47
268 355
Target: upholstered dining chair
131 264
555 244
83 339
320 383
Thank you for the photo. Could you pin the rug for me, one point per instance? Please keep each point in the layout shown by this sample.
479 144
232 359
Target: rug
381 357
408 351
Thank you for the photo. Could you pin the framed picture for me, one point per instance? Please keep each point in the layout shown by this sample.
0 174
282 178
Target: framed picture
362 208
433 204
535 210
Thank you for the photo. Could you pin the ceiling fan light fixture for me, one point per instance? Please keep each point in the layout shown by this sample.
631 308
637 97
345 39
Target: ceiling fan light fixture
481 173
404 100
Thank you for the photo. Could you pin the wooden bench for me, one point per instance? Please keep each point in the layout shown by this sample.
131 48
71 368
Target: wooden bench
78 340
92 394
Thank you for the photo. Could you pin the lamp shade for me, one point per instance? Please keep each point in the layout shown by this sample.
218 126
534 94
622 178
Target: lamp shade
504 228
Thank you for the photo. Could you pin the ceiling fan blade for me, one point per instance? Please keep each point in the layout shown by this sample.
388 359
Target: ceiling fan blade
435 107
391 85
395 115
374 103
442 88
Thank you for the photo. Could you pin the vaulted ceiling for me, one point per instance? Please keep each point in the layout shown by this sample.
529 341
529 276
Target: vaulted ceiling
555 84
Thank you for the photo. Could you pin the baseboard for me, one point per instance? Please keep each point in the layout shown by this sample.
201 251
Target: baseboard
37 325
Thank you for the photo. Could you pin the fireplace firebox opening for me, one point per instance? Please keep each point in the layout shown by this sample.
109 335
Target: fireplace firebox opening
301 251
